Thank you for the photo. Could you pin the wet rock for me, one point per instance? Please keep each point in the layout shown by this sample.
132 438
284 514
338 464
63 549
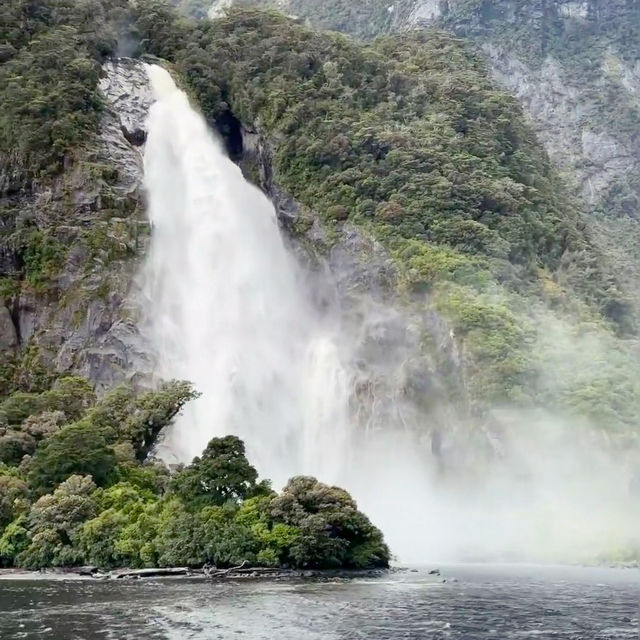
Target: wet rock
8 334
87 323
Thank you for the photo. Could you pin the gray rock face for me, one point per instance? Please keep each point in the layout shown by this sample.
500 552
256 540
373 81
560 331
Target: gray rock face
126 89
565 110
88 326
564 116
107 346
414 15
8 333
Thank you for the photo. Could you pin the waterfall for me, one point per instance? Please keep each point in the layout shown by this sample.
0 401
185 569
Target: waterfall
227 309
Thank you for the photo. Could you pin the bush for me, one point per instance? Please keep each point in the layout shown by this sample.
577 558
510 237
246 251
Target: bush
14 496
332 532
14 445
53 523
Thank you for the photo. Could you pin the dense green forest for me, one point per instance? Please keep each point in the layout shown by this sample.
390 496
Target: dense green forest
77 488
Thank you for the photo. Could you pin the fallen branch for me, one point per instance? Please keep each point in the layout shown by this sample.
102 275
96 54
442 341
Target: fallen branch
221 573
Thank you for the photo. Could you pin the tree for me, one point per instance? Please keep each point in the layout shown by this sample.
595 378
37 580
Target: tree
54 521
14 540
78 448
222 474
333 533
14 445
14 495
123 416
118 507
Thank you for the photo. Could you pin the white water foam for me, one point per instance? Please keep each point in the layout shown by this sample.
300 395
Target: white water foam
227 308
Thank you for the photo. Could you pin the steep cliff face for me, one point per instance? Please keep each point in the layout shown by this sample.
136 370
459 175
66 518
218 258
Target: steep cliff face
439 231
67 303
418 187
397 378
574 66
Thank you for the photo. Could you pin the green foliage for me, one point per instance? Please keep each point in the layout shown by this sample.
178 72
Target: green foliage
332 532
14 445
100 502
14 540
43 256
70 395
78 448
19 406
54 522
14 495
220 475
49 100
361 18
179 541
123 415
149 477
100 538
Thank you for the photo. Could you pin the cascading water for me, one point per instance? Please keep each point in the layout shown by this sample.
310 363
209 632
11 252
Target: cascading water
227 310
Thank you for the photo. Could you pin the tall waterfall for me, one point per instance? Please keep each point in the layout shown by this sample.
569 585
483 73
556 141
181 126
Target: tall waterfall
227 307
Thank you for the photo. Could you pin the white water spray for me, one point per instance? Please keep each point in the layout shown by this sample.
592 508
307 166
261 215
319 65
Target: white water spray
227 310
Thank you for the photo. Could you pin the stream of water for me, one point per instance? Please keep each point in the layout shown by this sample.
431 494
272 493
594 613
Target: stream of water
227 309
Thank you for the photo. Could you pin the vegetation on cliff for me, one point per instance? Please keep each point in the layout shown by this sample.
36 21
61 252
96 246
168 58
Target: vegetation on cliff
65 219
77 487
408 138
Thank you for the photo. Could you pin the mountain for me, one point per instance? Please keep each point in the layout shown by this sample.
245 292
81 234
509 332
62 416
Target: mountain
574 67
464 226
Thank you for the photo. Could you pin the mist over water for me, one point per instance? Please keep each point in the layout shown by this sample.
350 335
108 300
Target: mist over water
229 309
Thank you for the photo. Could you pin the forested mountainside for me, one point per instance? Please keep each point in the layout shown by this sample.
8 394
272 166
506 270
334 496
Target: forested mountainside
401 171
408 140
574 66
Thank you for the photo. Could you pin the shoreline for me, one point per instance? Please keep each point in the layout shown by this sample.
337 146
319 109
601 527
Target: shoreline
95 574
217 575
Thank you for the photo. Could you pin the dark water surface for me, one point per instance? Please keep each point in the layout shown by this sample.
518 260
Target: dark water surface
497 602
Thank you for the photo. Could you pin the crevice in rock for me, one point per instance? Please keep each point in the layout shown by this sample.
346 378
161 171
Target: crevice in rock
230 129
137 137
14 312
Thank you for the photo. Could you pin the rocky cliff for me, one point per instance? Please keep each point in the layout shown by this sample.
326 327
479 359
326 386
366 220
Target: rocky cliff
71 310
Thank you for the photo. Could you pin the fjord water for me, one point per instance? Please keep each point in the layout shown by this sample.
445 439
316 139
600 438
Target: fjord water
475 603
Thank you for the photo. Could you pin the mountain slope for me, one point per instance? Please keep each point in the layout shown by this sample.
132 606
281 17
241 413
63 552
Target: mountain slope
399 165
409 140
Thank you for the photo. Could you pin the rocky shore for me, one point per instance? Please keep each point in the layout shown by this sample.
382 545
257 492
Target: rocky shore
234 573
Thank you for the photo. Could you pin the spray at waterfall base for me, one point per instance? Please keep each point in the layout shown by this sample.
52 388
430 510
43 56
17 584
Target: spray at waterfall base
229 308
